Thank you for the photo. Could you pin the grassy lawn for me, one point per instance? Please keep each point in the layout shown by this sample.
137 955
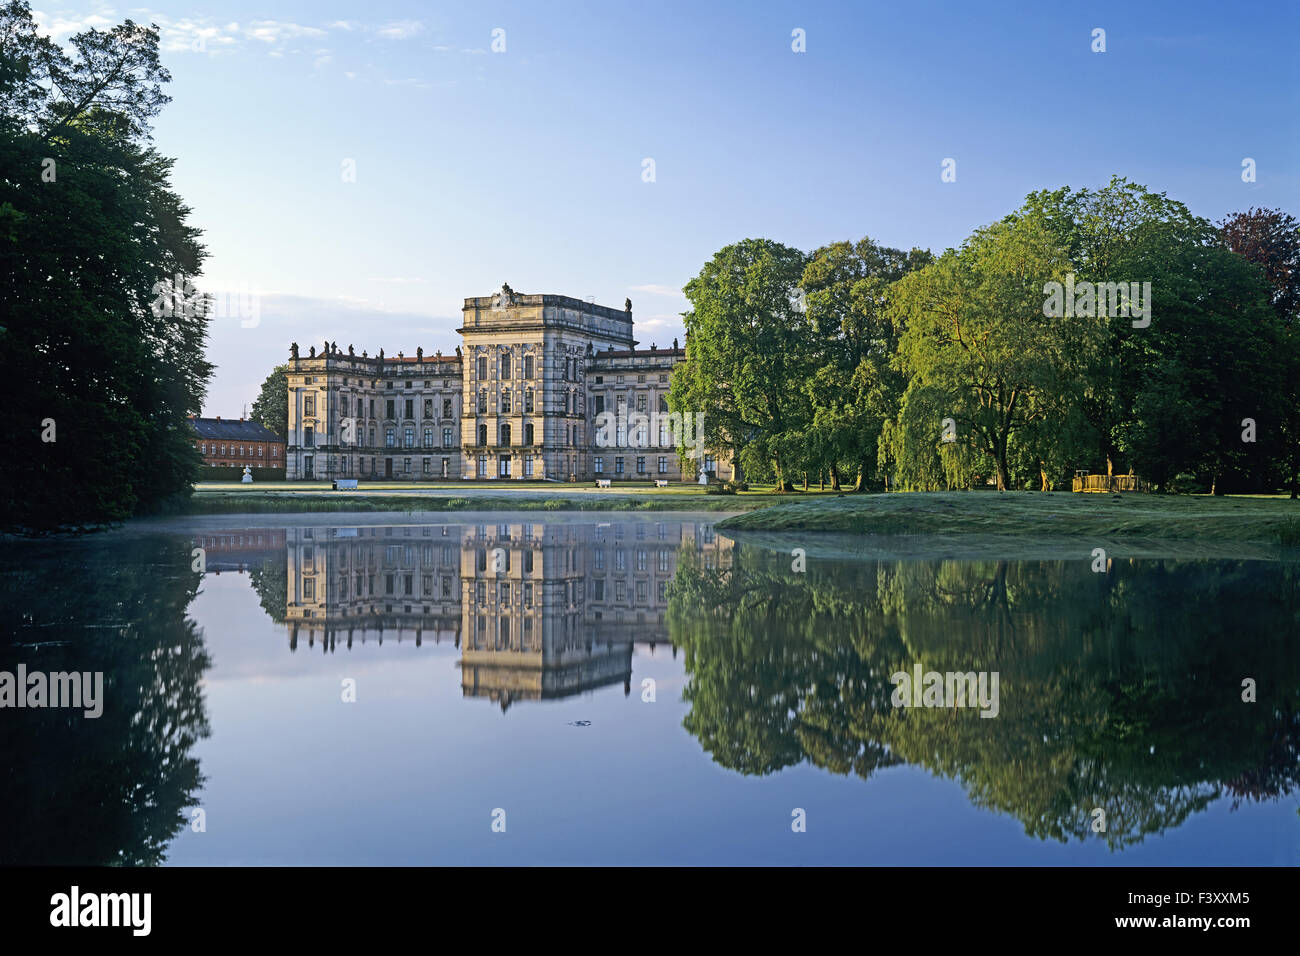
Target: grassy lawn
306 496
288 497
1272 520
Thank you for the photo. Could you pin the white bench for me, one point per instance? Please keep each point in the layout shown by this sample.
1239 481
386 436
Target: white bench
602 482
345 484
661 482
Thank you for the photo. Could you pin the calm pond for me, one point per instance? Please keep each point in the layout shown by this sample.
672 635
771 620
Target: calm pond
639 689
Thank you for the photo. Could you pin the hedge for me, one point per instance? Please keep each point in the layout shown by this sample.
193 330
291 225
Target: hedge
215 473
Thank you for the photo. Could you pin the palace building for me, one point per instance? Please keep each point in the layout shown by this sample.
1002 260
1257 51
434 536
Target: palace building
542 387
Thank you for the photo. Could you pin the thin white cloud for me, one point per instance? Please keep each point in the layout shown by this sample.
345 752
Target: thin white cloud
400 30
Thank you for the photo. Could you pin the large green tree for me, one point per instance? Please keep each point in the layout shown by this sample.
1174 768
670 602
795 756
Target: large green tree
1270 239
271 409
748 354
856 390
102 354
977 348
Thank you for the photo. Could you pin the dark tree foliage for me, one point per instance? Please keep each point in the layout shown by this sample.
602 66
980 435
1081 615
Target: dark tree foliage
102 350
110 790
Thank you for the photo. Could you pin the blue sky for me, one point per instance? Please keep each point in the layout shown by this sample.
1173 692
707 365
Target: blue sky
475 167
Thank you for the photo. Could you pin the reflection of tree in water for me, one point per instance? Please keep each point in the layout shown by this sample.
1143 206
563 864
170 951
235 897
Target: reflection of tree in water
271 582
1118 690
110 790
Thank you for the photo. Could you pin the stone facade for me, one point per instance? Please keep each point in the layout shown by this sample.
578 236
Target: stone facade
520 400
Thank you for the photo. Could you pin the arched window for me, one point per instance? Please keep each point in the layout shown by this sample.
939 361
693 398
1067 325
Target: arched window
505 436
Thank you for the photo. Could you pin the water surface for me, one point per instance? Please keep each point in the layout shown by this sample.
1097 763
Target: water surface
637 690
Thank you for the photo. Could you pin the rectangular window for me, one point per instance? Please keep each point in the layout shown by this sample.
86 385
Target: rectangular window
482 366
446 408
408 437
600 559
640 466
428 408
428 438
309 588
640 401
446 438
598 590
528 366
663 465
428 466
528 466
618 466
390 438
640 592
528 402
505 365
406 465
309 405
599 465
308 438
410 405
482 466
505 403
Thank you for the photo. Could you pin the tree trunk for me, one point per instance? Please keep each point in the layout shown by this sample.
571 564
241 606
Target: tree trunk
782 486
835 478
862 476
1002 470
805 481
821 476
1042 473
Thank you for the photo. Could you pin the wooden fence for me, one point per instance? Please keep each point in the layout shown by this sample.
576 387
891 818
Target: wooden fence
1108 483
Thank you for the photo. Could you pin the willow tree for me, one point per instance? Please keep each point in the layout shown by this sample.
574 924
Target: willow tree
976 340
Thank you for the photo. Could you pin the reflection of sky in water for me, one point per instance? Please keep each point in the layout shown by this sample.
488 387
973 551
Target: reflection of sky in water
411 773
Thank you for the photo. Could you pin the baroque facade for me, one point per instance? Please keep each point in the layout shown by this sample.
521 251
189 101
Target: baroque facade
542 387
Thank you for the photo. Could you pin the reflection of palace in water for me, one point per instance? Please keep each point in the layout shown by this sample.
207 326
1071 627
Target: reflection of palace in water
538 610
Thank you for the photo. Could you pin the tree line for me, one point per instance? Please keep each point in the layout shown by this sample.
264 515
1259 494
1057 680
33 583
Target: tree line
1101 330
